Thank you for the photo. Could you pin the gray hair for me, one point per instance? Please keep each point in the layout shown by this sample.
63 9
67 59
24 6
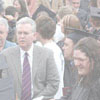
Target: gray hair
27 20
4 21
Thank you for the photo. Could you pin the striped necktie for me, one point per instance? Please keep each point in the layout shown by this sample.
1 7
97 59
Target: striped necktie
26 80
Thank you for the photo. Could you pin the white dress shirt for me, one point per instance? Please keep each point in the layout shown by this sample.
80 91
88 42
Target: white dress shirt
30 58
58 36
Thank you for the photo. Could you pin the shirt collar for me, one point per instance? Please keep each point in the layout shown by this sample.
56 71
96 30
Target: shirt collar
30 51
48 43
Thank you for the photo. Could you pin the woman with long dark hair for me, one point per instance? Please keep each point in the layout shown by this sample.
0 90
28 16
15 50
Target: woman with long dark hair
87 61
21 7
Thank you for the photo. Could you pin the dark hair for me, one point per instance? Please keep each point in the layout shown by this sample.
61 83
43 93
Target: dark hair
45 26
23 11
10 10
91 48
22 4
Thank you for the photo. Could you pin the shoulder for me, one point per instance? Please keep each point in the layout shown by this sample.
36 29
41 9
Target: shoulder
54 47
10 50
42 50
9 44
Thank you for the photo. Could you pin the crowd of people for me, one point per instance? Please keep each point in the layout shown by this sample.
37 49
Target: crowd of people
50 50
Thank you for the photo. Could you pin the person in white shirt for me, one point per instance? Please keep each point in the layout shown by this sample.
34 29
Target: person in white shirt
45 31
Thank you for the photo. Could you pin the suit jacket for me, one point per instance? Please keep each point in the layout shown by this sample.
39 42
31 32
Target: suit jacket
44 77
6 82
55 5
82 92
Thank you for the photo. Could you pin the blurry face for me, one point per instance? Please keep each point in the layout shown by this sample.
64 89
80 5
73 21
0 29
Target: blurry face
76 3
68 48
3 35
81 62
25 36
17 5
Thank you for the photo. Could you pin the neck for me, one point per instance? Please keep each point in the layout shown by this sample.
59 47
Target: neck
44 41
26 48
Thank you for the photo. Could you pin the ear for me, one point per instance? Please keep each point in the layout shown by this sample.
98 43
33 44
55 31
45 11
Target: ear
34 36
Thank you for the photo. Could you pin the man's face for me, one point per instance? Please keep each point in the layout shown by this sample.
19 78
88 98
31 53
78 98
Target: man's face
25 36
82 62
76 3
68 48
3 35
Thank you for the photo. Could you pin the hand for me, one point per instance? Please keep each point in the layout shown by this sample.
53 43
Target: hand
9 17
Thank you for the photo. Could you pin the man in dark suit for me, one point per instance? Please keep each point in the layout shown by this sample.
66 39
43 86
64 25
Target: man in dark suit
41 77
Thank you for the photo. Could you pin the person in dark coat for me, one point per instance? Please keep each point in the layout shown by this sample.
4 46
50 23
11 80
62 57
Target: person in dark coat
87 61
68 48
69 69
70 72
